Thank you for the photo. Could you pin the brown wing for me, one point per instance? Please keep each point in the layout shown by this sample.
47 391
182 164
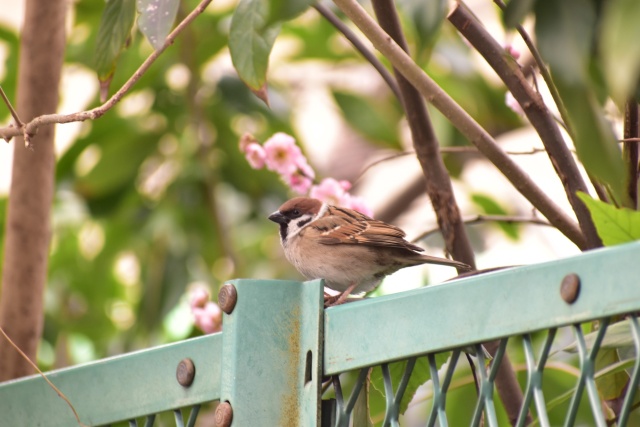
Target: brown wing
346 226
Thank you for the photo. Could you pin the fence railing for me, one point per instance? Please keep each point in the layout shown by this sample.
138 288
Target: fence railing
283 360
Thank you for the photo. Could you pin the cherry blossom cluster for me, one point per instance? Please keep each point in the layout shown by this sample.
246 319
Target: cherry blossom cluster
280 154
207 316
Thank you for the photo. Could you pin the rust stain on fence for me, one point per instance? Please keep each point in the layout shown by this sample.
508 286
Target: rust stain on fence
290 410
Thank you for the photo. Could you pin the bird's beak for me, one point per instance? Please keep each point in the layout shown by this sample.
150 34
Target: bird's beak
278 217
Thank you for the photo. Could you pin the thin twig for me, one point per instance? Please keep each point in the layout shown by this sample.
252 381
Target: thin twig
360 47
490 218
31 128
426 144
477 135
14 113
536 111
544 71
630 149
57 390
446 150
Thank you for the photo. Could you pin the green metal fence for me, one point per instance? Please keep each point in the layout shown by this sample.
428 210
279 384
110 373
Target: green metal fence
283 360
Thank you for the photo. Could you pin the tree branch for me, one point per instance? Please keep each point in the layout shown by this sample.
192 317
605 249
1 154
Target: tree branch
630 149
462 121
426 145
546 75
536 111
360 47
28 221
29 129
13 112
478 219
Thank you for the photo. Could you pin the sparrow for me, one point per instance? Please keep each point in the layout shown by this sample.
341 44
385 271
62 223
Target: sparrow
346 248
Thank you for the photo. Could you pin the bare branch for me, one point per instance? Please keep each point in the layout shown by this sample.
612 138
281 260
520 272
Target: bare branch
478 219
546 75
426 145
360 47
461 120
35 367
14 113
31 128
630 149
536 111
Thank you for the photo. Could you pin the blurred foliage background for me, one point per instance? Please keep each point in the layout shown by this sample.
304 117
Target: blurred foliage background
155 197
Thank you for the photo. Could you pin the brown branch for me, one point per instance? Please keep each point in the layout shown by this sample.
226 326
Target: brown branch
446 150
426 145
630 149
13 112
35 367
360 47
31 128
546 75
462 121
536 111
478 219
27 226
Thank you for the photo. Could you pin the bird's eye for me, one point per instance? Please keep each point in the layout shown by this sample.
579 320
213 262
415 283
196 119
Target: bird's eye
295 213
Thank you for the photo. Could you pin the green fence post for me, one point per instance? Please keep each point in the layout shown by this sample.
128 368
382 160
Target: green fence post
271 358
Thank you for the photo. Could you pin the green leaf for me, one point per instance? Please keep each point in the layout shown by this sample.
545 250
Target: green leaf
376 121
620 49
618 336
156 19
113 33
490 206
419 376
612 385
284 10
564 30
614 225
516 10
594 139
427 17
251 41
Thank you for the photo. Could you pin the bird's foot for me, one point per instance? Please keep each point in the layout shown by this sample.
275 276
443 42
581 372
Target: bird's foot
331 300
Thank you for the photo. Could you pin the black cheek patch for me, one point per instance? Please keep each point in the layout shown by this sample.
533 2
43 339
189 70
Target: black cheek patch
283 232
304 222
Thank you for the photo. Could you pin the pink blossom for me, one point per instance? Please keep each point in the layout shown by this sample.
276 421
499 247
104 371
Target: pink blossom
346 185
304 168
255 155
282 154
329 190
515 53
245 140
513 104
359 204
298 182
198 297
208 318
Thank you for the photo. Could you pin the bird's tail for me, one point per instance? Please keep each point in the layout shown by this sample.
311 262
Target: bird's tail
428 259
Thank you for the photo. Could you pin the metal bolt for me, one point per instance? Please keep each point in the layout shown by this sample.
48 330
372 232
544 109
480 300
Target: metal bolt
570 288
227 298
224 414
186 372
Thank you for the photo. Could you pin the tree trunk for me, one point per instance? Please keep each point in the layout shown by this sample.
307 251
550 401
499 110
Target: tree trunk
27 234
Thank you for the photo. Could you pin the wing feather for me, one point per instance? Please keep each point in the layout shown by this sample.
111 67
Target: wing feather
345 226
